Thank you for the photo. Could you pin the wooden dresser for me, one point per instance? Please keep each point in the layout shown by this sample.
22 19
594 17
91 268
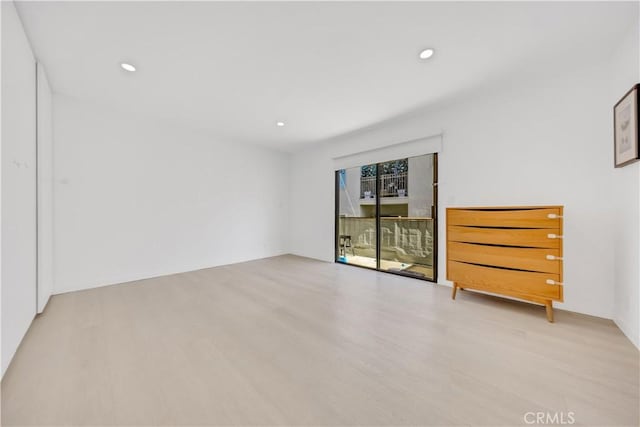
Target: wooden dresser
514 251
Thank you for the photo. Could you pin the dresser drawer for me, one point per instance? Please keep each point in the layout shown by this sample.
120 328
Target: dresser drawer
517 218
534 238
529 259
506 281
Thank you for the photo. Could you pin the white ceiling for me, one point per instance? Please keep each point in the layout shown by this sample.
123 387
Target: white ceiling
234 69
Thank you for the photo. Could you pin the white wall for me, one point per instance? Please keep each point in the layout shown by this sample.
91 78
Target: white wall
534 140
18 183
45 188
137 198
625 72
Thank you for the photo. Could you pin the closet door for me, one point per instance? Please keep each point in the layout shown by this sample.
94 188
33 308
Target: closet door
18 183
45 189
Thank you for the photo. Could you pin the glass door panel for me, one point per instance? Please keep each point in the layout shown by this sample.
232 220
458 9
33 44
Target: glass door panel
406 216
356 236
386 216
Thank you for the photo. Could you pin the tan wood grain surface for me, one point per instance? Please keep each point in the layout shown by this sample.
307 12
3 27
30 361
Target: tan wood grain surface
518 218
538 238
532 259
522 282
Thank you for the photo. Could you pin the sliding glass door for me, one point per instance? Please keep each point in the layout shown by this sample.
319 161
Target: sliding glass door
386 216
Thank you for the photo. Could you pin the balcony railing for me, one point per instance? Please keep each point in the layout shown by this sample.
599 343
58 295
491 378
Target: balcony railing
391 185
408 240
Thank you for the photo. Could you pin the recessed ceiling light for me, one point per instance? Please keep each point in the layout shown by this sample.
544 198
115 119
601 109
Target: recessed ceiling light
426 53
279 124
127 67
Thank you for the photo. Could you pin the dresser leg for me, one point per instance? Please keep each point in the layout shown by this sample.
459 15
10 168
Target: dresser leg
549 307
453 292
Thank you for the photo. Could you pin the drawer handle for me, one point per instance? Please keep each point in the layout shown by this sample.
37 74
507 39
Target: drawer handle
553 257
554 236
553 282
553 216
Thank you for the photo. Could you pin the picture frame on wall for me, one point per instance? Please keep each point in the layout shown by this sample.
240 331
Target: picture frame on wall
625 128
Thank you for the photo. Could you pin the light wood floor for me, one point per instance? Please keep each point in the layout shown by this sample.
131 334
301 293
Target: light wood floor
289 340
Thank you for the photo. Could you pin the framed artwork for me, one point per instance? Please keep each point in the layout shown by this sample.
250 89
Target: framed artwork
625 128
